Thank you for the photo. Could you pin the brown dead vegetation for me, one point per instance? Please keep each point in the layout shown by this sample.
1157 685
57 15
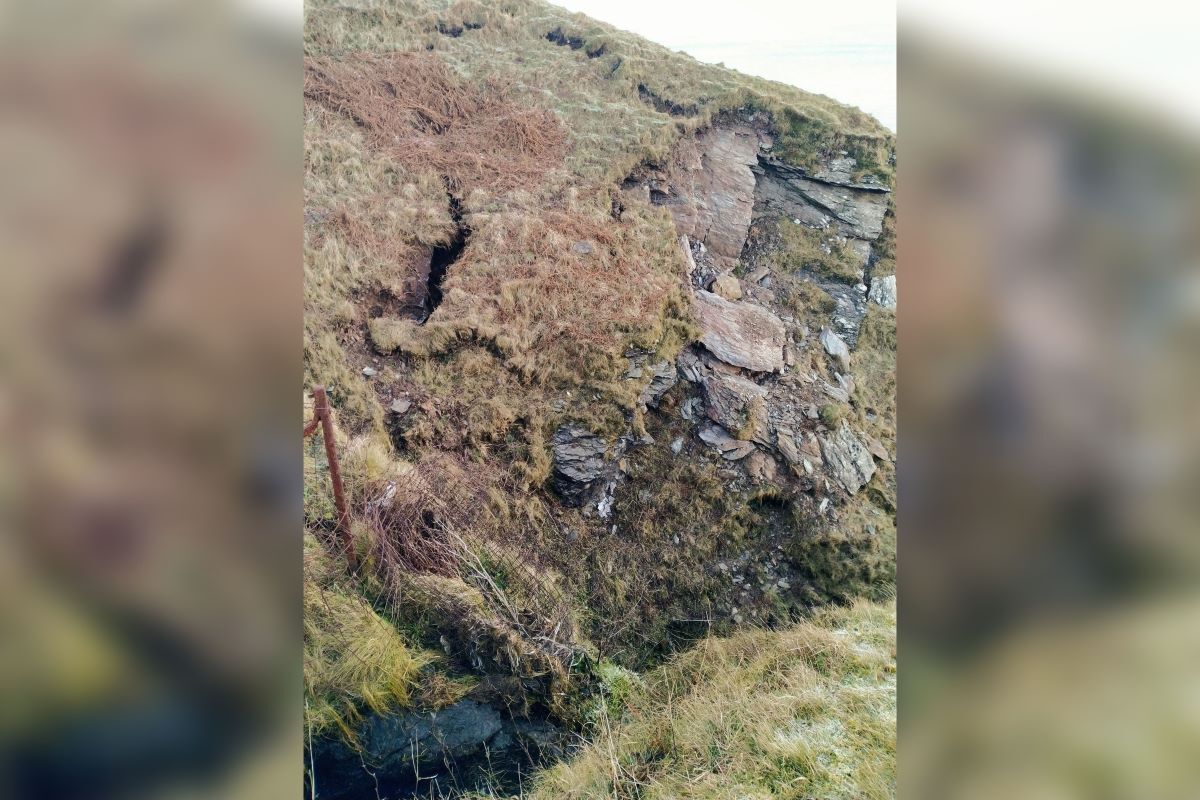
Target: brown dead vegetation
414 108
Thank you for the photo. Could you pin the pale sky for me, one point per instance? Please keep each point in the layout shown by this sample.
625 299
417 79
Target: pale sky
844 49
1145 53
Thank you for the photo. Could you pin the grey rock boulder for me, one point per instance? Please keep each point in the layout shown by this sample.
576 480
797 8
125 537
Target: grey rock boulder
730 448
841 171
579 463
742 334
883 292
848 460
411 753
663 376
836 346
736 404
854 210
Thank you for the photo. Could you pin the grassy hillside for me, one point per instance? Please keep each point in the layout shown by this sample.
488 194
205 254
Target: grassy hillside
497 137
809 711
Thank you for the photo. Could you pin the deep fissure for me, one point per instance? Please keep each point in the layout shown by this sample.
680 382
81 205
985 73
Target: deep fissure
664 105
443 256
561 38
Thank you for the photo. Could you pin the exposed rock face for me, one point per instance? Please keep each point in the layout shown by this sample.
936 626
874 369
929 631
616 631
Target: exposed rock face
709 189
761 467
737 405
840 171
579 463
836 347
849 461
801 450
729 447
856 210
454 747
741 334
883 291
663 376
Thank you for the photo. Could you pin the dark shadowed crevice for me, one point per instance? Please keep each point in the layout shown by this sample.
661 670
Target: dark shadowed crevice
443 256
664 105
561 38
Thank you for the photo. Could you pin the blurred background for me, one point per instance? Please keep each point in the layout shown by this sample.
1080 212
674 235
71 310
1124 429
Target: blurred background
1049 319
150 207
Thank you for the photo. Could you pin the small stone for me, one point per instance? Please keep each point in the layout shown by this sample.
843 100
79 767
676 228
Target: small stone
848 459
836 392
731 449
370 372
877 449
836 346
757 275
883 292
688 364
400 406
727 286
761 467
583 248
677 446
663 376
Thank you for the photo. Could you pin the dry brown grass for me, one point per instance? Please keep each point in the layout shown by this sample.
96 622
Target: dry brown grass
556 314
415 109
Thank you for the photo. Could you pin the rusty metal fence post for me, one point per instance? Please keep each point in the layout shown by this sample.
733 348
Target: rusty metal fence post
322 415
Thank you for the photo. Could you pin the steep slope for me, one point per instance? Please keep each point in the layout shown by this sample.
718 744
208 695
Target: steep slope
595 320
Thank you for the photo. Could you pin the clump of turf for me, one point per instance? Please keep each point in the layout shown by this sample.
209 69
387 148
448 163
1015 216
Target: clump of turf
354 660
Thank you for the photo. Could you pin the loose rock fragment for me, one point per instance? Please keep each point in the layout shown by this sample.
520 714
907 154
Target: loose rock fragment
742 334
848 459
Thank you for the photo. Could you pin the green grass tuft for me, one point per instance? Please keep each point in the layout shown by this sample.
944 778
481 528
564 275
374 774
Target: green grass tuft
807 712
